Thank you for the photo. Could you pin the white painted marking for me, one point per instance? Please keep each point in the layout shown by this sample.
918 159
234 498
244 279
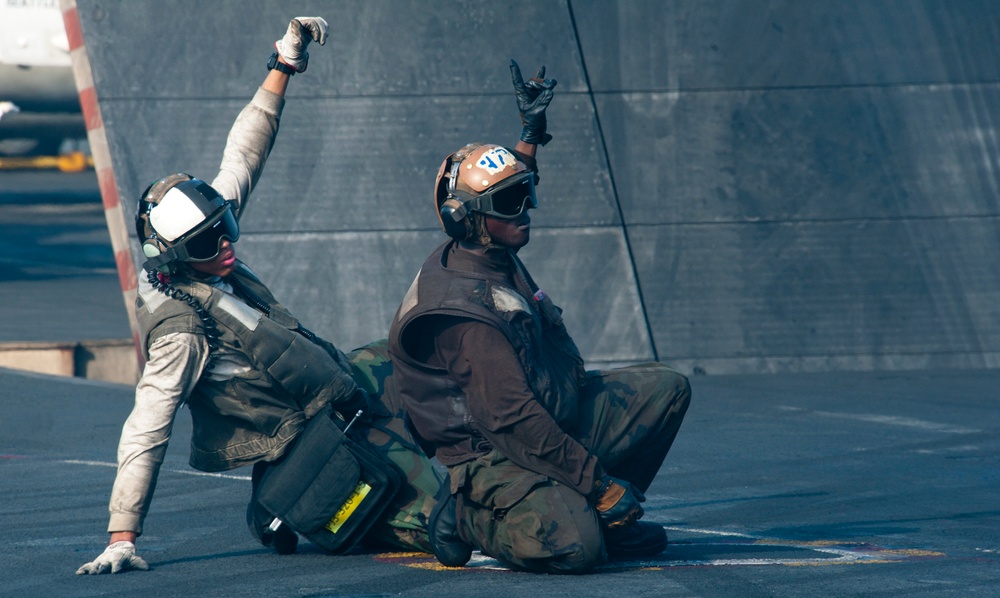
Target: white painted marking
895 420
95 463
838 556
224 476
710 532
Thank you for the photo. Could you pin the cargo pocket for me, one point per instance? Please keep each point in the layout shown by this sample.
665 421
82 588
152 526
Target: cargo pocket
514 493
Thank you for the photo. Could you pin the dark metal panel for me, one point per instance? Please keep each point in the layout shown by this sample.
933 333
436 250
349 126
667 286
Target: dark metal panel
587 271
190 49
347 286
360 163
637 45
737 292
806 184
804 154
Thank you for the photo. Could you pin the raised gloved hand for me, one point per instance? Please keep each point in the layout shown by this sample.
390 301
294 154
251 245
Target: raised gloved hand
117 557
533 97
617 501
301 30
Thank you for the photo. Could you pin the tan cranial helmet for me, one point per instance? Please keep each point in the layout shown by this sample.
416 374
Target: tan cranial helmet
481 178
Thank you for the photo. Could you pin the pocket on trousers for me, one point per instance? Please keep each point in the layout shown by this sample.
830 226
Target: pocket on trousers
513 493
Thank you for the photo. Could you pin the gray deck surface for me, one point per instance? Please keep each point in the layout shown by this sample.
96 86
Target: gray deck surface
820 484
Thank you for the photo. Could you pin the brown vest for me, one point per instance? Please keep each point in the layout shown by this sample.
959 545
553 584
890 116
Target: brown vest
527 318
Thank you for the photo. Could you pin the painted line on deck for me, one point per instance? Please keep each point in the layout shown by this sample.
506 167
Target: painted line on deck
905 422
891 420
832 553
206 474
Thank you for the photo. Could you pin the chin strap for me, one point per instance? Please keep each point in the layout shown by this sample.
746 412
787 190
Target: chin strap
480 234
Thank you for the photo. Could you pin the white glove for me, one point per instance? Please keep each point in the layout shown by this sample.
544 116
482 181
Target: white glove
292 47
6 107
117 557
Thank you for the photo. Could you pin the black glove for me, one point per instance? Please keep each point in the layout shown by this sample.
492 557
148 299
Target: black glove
533 97
617 501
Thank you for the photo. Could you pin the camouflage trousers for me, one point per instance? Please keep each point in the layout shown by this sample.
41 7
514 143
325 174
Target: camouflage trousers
404 523
628 419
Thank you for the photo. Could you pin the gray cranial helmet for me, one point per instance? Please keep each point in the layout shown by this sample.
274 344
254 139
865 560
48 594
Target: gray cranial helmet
183 219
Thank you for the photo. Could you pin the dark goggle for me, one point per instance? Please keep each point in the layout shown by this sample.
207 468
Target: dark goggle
204 245
509 200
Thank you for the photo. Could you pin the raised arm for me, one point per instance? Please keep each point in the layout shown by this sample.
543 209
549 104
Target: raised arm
177 359
252 136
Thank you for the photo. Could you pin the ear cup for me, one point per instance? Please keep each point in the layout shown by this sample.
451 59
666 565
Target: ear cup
454 219
151 248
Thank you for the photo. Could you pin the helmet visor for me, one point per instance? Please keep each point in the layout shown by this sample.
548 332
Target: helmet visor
205 244
511 200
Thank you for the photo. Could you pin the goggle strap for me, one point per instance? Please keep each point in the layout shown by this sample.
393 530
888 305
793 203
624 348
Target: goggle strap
163 259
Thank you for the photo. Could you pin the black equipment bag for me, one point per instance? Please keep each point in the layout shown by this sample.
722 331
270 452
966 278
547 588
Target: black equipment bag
328 487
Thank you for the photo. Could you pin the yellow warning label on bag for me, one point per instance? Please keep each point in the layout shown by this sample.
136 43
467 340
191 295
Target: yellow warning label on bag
347 509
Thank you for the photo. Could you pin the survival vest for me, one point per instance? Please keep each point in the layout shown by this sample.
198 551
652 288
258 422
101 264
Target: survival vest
253 415
526 317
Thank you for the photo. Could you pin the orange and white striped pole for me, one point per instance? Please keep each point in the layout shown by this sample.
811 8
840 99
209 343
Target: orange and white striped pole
97 137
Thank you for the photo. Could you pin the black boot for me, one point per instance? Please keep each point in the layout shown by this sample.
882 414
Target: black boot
448 546
635 539
284 539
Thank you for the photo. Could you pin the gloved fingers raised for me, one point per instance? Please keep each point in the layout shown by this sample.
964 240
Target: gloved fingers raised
520 91
533 97
528 91
117 557
316 26
539 81
301 30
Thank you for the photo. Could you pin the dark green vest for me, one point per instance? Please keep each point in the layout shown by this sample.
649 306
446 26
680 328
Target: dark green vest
436 405
252 416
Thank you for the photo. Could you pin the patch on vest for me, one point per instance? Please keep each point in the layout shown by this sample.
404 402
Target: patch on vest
410 299
507 301
246 315
150 296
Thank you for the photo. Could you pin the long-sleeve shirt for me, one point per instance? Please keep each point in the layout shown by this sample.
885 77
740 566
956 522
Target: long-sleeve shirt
503 406
177 361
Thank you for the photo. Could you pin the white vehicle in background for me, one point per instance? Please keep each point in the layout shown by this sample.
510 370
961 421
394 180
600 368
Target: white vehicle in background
39 106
